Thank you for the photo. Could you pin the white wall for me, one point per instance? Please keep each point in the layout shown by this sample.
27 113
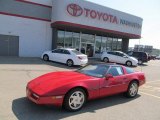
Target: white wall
45 2
34 36
60 13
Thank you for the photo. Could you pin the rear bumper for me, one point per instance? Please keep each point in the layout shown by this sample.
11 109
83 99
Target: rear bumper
49 100
81 62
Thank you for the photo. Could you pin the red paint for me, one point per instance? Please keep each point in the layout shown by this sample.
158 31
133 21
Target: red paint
47 86
96 28
29 2
22 16
76 11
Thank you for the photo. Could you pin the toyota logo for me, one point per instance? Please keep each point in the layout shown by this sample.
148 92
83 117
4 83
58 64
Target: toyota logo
74 10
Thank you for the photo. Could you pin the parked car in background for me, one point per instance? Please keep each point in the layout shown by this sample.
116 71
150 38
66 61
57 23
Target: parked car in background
65 55
119 57
72 89
158 57
142 57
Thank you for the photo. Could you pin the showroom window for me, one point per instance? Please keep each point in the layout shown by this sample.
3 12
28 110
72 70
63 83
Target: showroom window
60 41
98 44
114 44
109 44
68 40
76 41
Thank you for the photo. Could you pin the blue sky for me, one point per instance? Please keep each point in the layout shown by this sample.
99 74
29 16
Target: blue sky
149 10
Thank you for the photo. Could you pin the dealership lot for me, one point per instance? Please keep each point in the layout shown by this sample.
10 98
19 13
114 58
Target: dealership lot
16 72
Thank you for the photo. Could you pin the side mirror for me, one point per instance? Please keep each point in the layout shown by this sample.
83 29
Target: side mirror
109 76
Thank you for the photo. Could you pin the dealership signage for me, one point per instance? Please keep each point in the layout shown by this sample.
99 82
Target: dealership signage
76 10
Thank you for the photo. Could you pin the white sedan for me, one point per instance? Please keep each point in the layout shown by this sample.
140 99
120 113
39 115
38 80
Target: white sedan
119 57
65 55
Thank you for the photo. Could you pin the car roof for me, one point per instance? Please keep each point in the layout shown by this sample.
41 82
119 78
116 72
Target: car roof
66 48
105 64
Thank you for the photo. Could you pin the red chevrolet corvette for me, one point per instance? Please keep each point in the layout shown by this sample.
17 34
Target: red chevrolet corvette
71 89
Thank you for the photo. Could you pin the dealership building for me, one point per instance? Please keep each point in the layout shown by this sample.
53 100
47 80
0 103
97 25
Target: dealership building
30 27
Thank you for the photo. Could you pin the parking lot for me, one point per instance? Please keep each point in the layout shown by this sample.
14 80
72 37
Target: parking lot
16 72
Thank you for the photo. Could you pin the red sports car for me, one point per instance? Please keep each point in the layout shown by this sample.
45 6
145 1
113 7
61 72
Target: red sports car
71 89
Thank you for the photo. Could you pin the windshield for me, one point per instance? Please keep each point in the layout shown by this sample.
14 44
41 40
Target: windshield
94 70
76 52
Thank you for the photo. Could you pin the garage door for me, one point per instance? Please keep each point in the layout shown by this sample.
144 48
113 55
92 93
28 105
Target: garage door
9 45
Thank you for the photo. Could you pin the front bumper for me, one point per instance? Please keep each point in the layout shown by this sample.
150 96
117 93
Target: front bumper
49 100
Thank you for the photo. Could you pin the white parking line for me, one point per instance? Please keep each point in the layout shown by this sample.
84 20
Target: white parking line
153 81
150 95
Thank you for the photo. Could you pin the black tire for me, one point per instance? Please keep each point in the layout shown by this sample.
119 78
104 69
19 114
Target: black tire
70 63
67 103
132 90
140 62
45 57
129 63
106 60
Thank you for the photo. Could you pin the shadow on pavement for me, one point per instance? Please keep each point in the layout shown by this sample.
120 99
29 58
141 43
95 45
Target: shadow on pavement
26 110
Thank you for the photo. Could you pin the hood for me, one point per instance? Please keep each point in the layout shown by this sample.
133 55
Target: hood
133 58
54 80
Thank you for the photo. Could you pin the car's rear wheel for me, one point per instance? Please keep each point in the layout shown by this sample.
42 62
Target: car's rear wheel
132 89
70 63
75 99
106 60
46 57
129 63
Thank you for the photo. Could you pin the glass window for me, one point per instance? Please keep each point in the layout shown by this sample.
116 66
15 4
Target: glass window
66 52
119 45
109 44
98 45
116 71
76 40
103 45
60 41
68 39
129 70
94 70
58 51
76 52
86 38
114 44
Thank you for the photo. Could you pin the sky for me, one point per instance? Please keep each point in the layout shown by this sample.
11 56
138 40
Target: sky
149 10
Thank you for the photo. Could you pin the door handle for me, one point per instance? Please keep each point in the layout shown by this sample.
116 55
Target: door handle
124 78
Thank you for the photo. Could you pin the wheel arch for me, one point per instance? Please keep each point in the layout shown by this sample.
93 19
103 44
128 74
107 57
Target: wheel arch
134 80
81 87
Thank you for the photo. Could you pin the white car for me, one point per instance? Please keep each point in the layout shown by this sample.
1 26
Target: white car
65 55
119 57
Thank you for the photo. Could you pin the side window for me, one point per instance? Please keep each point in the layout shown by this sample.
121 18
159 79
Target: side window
56 51
120 54
66 52
129 70
116 71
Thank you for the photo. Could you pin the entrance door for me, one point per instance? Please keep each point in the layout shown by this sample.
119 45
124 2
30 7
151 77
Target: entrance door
9 45
87 48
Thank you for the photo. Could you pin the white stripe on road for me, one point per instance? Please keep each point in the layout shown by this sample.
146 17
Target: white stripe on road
153 81
150 95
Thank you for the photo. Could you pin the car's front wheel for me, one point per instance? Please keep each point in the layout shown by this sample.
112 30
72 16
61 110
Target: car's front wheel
132 89
75 99
106 60
129 63
46 57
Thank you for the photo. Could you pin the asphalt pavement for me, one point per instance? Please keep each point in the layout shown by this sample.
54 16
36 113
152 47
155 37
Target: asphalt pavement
16 72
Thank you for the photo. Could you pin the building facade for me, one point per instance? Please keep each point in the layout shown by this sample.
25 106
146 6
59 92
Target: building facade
30 27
